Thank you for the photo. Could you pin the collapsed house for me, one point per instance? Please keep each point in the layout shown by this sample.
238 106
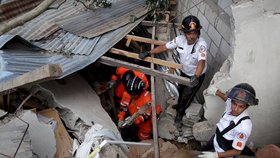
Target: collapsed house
68 37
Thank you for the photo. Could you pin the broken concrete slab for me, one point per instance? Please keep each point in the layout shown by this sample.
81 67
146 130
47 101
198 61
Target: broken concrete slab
76 94
10 141
203 131
41 135
170 112
166 128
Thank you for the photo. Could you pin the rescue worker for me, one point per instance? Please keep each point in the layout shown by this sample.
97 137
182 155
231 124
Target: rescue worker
192 50
135 98
119 80
235 126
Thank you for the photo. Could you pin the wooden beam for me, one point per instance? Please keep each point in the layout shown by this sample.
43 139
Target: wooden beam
148 59
144 40
145 70
150 23
44 73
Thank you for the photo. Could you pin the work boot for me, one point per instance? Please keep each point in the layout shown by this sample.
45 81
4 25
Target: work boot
178 118
175 106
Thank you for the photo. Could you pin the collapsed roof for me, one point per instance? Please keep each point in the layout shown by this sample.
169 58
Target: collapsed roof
71 51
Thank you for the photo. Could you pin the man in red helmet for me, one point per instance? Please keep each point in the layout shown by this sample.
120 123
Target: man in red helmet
235 126
137 98
122 74
192 50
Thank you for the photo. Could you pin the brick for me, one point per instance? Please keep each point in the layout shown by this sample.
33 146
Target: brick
213 49
209 59
211 14
203 21
193 9
225 48
224 29
201 7
214 35
224 3
206 37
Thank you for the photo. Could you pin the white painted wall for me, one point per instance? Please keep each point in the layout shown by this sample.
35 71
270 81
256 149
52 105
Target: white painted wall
256 61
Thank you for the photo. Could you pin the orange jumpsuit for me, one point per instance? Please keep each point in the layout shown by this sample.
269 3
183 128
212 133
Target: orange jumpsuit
120 88
144 121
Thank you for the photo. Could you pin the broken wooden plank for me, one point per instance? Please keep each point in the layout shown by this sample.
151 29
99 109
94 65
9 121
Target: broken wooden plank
128 42
148 59
144 40
44 73
145 70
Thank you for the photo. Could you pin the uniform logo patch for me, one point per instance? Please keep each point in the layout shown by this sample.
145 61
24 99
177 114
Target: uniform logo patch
203 55
239 144
202 49
192 25
241 136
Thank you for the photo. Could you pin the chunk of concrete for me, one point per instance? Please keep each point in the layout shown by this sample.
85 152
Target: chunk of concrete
10 139
166 128
41 134
170 111
203 131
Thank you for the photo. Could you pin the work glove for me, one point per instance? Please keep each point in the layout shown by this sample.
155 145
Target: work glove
110 84
209 154
211 90
143 55
194 81
120 123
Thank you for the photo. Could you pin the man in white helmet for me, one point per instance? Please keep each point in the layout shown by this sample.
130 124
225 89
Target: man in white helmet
235 126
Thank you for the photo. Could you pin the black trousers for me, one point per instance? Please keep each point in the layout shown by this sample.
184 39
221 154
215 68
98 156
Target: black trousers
186 94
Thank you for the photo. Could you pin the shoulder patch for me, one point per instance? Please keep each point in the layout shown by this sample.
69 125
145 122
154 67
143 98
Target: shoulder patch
241 136
203 54
202 49
239 144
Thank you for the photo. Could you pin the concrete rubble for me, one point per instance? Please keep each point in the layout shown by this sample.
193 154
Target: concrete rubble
79 108
167 128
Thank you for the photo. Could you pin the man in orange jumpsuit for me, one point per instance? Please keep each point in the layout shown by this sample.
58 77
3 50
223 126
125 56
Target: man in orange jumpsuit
134 98
122 74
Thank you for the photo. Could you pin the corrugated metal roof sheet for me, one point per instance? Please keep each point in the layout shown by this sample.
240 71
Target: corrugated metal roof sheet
19 61
67 43
93 23
12 9
44 25
70 51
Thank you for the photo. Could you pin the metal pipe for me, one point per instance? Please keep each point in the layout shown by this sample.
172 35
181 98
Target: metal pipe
154 114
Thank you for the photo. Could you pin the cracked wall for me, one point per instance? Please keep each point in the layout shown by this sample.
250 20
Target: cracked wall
255 60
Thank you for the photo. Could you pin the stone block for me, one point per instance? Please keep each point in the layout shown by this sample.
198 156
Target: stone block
166 128
203 21
214 35
203 131
225 48
224 29
213 49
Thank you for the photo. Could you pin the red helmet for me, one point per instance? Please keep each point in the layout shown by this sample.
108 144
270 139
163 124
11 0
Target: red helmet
243 93
191 23
135 86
